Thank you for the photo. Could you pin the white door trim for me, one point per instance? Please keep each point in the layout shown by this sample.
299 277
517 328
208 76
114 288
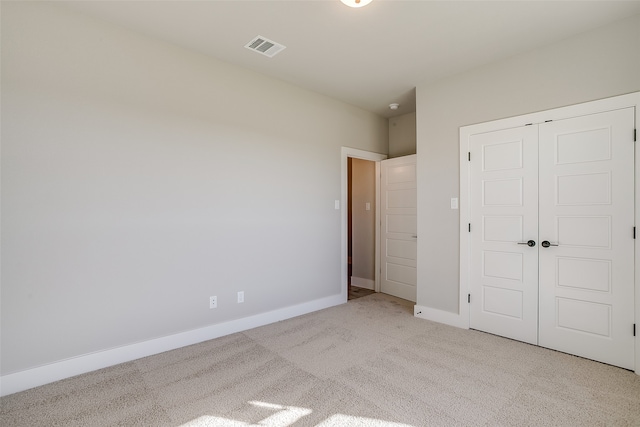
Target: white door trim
608 104
345 153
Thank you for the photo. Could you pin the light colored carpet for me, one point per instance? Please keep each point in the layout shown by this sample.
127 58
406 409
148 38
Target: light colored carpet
365 363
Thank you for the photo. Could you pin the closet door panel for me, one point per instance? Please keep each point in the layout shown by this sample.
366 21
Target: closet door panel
504 217
586 201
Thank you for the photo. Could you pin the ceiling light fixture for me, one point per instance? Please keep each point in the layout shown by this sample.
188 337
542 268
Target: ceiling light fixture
356 3
394 106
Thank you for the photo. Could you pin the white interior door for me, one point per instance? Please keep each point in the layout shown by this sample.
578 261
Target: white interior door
504 219
398 228
587 210
568 185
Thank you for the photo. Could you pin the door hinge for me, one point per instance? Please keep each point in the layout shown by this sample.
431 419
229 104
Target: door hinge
469 155
634 329
469 227
634 136
469 298
634 232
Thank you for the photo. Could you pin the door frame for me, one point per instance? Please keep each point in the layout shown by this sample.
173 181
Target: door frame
345 153
583 109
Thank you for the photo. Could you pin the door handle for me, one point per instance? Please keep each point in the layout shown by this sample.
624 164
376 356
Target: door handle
530 243
546 244
414 237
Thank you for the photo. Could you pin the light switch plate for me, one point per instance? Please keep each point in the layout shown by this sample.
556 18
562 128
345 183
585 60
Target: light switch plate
337 204
454 203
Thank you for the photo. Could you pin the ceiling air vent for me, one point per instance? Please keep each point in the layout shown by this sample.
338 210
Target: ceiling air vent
264 46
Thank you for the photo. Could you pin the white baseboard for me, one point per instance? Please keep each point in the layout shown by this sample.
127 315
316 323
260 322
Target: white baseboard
363 283
23 380
441 316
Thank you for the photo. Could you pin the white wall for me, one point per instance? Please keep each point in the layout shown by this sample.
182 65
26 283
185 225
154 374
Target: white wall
363 232
598 64
139 178
402 135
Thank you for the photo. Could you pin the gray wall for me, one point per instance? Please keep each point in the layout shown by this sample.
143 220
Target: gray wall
402 135
138 179
598 64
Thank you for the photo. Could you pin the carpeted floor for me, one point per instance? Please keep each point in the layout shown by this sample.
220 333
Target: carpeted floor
365 363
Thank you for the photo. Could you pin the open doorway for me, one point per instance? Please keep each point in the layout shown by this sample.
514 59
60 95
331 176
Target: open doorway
361 227
349 244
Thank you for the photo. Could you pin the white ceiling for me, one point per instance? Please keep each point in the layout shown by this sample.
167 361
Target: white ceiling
369 57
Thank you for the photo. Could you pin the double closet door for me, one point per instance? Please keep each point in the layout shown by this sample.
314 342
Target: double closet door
552 235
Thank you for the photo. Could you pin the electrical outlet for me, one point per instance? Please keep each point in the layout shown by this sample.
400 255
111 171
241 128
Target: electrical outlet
240 296
213 302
